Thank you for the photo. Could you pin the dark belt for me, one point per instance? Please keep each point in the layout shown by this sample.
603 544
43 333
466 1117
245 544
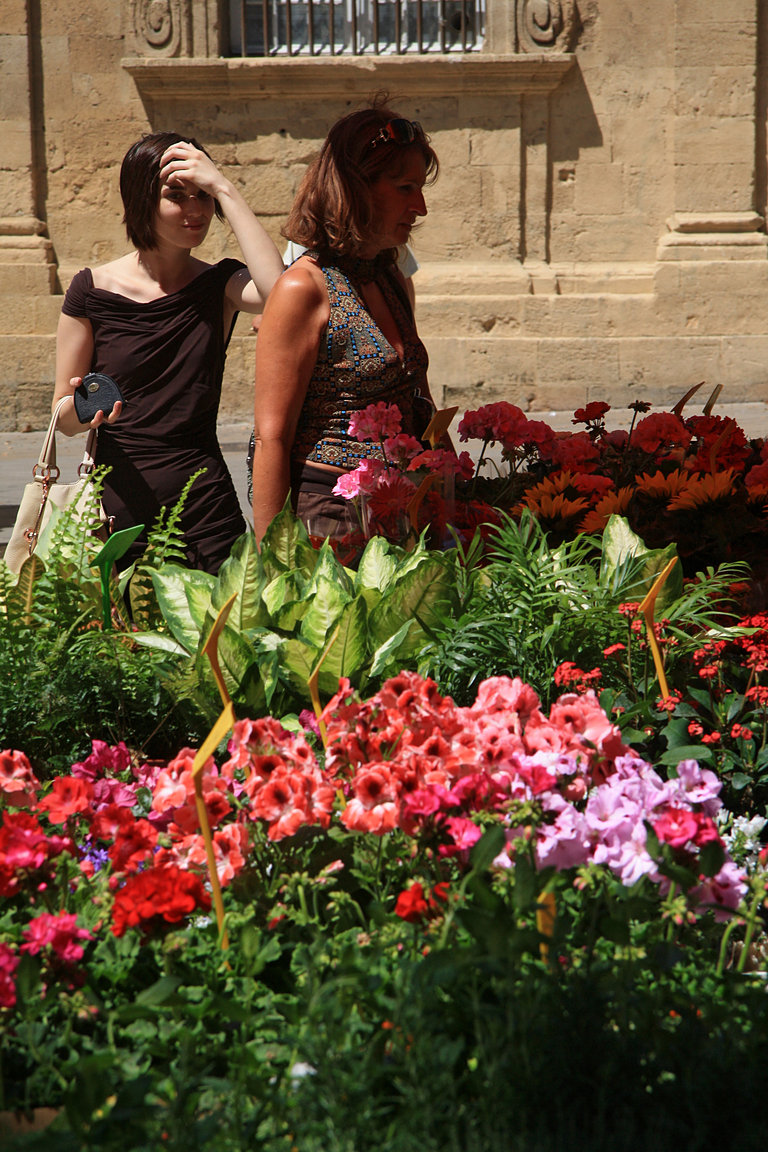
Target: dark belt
309 478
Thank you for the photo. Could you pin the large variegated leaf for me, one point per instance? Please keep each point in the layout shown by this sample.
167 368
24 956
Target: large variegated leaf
622 546
328 568
377 566
348 647
324 612
286 588
288 616
619 543
386 659
298 659
425 594
237 656
280 543
160 641
173 585
241 574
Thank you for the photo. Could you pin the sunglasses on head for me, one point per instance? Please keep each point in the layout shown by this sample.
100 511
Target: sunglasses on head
398 132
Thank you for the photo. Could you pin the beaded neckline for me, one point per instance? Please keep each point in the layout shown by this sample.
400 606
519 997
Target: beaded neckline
360 269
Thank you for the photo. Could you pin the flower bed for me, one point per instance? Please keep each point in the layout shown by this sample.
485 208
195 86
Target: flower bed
546 843
533 853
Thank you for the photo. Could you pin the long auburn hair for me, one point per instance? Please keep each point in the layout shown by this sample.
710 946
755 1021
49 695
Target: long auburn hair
332 211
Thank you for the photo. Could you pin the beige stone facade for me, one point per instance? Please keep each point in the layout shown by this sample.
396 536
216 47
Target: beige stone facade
597 230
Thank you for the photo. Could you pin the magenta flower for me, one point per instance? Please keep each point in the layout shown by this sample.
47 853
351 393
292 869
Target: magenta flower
59 933
9 962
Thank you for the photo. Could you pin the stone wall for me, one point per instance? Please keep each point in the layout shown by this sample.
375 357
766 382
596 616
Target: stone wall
597 230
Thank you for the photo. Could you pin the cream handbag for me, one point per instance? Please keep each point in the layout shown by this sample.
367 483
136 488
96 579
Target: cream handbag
44 493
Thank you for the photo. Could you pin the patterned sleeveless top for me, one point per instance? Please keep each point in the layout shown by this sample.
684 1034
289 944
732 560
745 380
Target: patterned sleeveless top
357 366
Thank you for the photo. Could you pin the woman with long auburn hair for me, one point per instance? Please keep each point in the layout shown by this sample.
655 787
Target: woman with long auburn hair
338 331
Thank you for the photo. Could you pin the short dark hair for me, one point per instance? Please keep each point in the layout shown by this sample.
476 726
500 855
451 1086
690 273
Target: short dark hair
332 211
140 185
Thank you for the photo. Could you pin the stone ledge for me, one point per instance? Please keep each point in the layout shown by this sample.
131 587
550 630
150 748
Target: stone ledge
513 278
330 77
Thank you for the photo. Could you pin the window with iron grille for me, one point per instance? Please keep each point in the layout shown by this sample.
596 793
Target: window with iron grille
355 27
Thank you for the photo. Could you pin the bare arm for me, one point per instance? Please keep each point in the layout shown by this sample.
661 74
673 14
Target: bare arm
286 352
247 293
74 353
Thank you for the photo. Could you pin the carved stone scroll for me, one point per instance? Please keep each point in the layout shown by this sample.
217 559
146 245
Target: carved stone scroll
545 25
159 27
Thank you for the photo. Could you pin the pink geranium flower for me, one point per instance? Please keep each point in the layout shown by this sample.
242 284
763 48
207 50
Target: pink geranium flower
362 480
376 422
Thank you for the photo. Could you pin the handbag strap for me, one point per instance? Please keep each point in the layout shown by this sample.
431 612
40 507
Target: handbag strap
46 462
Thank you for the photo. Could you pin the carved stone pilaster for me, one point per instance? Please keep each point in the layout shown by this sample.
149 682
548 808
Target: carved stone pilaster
545 25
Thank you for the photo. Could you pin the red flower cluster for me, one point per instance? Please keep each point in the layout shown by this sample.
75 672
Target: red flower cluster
165 894
58 933
568 675
414 906
27 852
278 773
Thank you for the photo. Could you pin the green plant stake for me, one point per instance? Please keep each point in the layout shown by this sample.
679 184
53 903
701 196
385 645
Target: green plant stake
117 545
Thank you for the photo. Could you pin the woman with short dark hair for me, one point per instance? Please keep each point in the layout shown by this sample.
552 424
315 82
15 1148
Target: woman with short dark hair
158 321
338 332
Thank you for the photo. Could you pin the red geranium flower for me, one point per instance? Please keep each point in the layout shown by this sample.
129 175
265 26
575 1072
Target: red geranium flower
165 894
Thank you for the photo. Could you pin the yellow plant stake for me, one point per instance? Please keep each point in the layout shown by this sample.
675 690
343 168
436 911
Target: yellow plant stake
312 684
224 724
647 608
678 408
439 425
546 909
415 501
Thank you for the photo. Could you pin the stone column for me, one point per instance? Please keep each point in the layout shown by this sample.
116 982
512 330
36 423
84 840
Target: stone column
26 255
714 144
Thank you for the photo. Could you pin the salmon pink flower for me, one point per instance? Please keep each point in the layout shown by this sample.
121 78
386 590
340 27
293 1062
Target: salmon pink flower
374 803
376 422
68 796
18 783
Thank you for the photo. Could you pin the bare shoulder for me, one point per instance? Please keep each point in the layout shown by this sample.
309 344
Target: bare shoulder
113 276
300 288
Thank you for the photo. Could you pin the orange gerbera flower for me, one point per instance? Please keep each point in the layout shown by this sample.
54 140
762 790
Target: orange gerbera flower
613 503
553 508
704 488
661 487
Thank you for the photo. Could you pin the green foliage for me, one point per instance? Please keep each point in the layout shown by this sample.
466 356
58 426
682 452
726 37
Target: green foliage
297 610
533 606
67 681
